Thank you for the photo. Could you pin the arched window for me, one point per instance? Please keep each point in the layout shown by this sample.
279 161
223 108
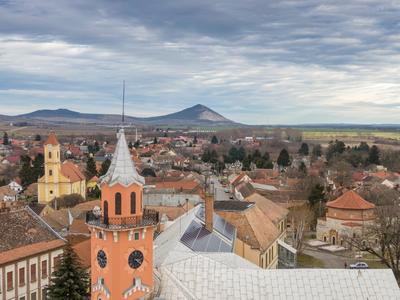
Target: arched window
118 203
50 154
133 203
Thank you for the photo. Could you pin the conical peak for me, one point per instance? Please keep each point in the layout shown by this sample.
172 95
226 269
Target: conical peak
122 169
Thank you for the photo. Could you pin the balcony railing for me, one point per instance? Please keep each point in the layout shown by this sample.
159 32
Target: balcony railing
149 217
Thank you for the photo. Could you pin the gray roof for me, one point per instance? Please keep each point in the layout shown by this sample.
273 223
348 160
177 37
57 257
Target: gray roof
228 276
122 169
187 235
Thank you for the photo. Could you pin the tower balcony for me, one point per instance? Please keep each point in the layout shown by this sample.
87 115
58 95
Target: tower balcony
150 217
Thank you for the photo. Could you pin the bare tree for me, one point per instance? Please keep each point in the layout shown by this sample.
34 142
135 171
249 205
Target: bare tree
301 218
383 238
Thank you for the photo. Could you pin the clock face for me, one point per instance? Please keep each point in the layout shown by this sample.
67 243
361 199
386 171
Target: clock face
102 259
135 259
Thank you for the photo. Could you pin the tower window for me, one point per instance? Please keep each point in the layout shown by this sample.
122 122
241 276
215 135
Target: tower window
50 154
51 192
133 203
118 203
50 172
136 236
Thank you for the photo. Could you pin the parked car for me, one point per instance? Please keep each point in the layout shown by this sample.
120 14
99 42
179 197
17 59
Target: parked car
359 265
226 190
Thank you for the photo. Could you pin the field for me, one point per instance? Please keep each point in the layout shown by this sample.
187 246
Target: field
353 134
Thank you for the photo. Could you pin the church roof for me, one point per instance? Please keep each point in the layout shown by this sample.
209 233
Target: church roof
52 139
350 200
122 169
71 171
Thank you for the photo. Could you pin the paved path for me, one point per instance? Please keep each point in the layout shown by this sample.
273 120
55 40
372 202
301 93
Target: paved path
330 260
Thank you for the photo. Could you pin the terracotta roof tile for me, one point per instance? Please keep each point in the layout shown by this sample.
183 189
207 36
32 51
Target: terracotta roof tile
350 200
273 211
71 171
252 227
29 250
52 139
82 249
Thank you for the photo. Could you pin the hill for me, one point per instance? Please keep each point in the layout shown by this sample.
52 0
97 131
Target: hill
195 115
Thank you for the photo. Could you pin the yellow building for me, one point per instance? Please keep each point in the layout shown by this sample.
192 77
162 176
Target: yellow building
59 178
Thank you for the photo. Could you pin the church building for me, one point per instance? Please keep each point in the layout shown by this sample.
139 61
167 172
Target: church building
121 233
59 178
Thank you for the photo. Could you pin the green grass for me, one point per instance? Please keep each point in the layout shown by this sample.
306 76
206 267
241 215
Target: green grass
307 261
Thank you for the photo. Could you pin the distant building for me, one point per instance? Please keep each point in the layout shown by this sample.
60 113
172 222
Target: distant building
29 251
346 217
59 178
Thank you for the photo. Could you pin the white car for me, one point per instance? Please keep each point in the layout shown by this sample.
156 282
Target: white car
359 265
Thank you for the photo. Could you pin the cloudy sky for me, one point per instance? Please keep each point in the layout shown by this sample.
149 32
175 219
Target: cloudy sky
254 61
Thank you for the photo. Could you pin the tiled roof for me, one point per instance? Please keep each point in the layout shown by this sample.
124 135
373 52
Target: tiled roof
350 200
245 189
52 139
252 227
82 249
29 250
22 231
71 171
122 169
273 211
203 276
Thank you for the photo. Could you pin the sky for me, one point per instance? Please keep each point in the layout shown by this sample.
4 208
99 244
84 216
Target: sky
253 61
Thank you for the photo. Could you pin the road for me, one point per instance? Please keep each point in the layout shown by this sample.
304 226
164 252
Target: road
220 194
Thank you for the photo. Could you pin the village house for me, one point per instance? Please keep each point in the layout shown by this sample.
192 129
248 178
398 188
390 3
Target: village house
346 217
7 194
29 251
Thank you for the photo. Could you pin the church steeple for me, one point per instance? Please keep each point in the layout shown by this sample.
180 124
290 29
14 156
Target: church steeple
122 169
122 234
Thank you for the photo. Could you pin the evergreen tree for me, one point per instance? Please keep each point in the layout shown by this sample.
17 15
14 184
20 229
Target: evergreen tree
206 156
136 144
104 167
373 157
214 140
26 172
317 195
213 157
283 158
38 138
130 145
304 149
69 281
38 166
155 141
5 139
90 168
195 140
241 153
317 150
363 147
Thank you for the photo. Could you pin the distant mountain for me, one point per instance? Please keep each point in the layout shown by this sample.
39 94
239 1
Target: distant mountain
195 115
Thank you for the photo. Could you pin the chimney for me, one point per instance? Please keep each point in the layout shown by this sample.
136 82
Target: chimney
209 212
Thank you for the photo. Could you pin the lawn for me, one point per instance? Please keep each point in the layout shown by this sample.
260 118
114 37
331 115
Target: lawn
307 261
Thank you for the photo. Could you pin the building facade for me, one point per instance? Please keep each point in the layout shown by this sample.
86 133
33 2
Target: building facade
59 178
122 233
347 216
29 252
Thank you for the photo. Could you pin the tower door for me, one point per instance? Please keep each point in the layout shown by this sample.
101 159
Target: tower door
105 213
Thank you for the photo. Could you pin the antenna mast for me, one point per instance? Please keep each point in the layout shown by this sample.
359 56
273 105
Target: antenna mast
123 102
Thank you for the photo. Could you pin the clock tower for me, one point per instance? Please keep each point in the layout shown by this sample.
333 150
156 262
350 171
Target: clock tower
121 233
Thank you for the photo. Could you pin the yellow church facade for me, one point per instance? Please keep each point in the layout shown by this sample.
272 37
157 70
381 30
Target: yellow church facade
59 178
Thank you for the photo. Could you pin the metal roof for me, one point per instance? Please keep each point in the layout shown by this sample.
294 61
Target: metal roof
122 169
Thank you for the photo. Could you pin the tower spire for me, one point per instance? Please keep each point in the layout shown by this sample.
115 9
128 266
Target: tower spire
123 102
